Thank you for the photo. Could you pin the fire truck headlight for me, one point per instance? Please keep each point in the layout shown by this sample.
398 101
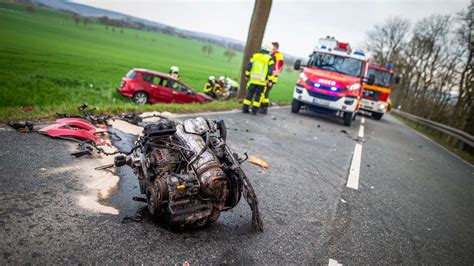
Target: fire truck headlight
382 106
303 77
353 87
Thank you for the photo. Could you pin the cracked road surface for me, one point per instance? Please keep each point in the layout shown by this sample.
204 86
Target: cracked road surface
414 202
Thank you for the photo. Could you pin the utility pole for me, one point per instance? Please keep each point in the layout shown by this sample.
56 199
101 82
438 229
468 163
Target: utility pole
261 12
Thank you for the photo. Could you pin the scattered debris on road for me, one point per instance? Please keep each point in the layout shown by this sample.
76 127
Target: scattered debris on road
21 126
132 118
74 128
259 162
87 114
27 108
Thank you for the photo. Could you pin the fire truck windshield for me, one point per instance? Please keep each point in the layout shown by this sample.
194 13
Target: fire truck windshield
340 64
382 78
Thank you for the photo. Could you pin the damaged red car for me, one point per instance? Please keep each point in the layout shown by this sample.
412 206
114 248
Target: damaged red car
147 86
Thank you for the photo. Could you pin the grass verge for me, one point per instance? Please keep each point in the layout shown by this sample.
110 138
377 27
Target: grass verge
435 136
54 65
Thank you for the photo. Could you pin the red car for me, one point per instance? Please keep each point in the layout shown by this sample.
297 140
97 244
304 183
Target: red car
147 86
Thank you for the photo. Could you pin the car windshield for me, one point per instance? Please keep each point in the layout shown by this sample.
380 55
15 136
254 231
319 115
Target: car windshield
382 78
336 63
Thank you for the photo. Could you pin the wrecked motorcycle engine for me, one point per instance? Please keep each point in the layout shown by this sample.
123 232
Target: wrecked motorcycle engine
188 173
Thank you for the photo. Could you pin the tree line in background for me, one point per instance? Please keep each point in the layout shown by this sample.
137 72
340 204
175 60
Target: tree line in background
434 58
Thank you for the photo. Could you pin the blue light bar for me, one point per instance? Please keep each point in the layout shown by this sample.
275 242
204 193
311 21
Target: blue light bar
317 85
389 66
359 53
333 88
322 46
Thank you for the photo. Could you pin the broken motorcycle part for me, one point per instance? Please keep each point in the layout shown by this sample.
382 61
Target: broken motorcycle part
21 126
188 174
74 128
87 115
83 150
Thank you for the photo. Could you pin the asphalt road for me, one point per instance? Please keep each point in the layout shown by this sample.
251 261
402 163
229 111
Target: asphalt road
414 202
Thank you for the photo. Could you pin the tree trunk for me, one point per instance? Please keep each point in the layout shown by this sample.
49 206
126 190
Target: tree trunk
261 12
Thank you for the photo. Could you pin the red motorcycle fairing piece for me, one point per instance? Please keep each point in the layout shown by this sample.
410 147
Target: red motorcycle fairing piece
81 123
75 128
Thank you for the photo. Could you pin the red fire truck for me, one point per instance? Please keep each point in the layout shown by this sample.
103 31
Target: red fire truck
375 97
331 81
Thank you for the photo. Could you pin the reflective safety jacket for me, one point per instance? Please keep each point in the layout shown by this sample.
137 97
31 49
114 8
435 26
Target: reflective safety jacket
260 69
209 87
278 58
217 89
234 84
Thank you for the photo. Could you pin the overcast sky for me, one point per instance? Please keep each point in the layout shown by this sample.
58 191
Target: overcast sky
297 25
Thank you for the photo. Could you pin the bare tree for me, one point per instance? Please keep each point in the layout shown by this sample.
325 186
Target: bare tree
77 19
229 53
258 23
86 21
30 8
387 40
207 49
465 105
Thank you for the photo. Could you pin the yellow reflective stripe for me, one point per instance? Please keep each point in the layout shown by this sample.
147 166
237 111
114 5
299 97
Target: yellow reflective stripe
377 88
247 102
265 100
207 87
257 82
256 104
278 56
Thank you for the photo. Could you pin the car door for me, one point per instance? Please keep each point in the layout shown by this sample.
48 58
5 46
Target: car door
146 84
159 90
185 94
173 86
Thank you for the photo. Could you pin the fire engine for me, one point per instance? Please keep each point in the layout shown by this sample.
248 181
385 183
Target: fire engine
331 81
375 97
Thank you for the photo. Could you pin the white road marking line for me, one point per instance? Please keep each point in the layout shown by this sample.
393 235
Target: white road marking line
361 131
354 171
333 263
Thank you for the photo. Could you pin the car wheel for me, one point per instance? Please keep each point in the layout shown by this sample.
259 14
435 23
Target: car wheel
295 106
140 97
348 118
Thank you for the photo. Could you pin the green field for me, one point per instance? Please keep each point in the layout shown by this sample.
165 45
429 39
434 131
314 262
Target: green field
52 64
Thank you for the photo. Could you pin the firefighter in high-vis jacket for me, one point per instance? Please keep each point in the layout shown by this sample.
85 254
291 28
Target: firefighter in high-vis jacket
277 67
210 86
233 87
174 72
259 74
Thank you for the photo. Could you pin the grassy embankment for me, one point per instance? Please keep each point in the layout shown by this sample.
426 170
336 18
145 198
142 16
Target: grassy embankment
52 64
